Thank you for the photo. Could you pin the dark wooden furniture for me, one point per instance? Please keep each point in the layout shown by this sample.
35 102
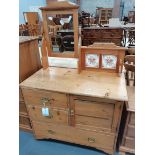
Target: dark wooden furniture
80 111
29 63
101 34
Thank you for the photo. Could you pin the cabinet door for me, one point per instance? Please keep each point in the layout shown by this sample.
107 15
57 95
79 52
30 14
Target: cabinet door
95 115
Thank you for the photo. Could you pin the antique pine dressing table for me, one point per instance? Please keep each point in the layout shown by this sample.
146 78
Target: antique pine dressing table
79 107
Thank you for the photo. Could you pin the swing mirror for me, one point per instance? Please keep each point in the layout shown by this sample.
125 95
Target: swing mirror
60 26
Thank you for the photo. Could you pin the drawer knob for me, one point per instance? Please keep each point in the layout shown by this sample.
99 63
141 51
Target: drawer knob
51 132
91 140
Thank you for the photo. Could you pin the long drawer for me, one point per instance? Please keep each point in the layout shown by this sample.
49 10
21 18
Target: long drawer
55 115
35 97
71 134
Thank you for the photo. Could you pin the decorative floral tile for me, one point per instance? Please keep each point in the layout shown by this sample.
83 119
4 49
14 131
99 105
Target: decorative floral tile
109 61
92 60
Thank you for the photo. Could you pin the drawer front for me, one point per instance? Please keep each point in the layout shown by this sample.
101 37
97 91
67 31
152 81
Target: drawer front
22 107
36 97
132 118
55 115
94 109
130 131
24 121
90 122
130 142
74 135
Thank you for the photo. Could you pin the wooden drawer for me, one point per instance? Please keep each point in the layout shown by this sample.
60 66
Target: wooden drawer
129 142
132 118
89 122
94 109
23 120
22 107
56 115
130 131
74 135
34 97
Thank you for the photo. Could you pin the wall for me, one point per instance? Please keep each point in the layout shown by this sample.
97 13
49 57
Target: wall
90 5
29 6
126 6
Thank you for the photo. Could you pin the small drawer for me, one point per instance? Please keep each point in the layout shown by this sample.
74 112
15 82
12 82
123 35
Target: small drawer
130 142
22 107
55 115
94 109
70 134
130 131
37 97
24 121
132 118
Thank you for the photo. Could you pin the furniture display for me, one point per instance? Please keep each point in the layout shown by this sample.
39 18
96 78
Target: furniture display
104 15
102 34
29 63
81 108
128 142
58 9
105 57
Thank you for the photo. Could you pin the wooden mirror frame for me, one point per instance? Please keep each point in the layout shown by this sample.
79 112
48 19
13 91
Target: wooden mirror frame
57 8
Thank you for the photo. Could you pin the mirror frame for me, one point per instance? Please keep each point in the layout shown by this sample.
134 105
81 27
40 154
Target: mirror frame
58 9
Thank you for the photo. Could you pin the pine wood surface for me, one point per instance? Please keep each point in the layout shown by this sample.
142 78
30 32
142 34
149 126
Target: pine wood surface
95 84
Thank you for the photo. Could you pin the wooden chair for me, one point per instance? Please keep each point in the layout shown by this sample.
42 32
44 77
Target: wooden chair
130 68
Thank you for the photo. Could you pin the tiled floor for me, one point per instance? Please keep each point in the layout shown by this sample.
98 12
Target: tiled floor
29 146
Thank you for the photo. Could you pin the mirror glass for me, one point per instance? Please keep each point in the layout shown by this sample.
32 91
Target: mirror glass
60 33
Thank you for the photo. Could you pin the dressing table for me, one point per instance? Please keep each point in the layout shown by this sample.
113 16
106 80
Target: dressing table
76 105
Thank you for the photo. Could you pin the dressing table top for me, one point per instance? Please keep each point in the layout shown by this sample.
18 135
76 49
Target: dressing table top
66 80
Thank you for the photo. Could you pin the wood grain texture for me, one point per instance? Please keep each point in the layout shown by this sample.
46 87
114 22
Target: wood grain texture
94 84
55 100
56 116
29 63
